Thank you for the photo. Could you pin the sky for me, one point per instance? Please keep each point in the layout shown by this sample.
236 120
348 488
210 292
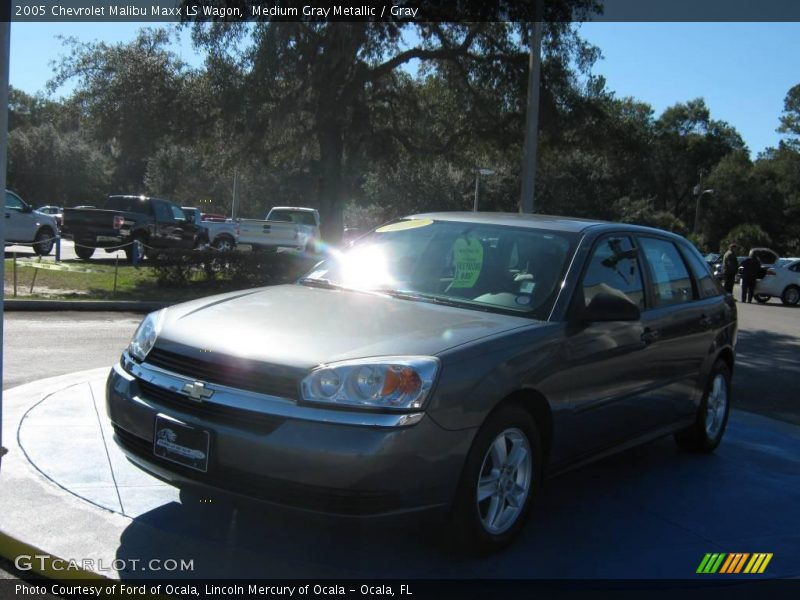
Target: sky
742 70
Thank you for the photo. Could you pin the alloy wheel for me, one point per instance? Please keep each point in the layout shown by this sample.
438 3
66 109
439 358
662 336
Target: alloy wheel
716 405
504 481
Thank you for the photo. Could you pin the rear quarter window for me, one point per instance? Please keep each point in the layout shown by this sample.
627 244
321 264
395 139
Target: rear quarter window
670 280
707 284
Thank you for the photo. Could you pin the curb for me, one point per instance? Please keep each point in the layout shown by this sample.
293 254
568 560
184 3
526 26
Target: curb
11 548
84 305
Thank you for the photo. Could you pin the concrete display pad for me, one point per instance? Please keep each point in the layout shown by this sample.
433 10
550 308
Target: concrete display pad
652 512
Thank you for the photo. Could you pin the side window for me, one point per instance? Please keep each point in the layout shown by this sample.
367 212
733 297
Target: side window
13 202
163 213
795 267
177 213
614 268
671 281
707 284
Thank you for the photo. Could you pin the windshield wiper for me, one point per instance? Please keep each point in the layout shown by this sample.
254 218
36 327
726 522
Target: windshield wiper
320 283
420 296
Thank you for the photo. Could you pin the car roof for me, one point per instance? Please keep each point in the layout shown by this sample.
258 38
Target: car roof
536 221
301 208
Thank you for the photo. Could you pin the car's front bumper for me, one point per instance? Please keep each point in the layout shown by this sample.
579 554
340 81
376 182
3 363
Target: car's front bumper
361 465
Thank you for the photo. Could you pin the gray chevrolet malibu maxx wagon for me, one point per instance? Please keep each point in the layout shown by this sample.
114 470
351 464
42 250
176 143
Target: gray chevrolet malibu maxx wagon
445 361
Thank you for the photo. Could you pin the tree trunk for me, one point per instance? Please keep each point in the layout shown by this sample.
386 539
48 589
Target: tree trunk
331 151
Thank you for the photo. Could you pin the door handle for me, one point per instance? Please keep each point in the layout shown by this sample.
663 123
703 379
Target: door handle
705 321
650 335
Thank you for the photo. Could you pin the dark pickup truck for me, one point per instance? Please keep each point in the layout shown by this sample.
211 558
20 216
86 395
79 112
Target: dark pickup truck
154 222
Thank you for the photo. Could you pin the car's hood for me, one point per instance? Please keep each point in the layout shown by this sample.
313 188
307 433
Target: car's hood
301 326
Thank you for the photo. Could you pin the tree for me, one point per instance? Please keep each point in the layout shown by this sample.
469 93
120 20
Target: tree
746 236
47 166
687 145
790 120
131 96
321 94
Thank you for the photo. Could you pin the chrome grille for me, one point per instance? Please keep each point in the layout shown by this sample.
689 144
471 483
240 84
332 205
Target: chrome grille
234 372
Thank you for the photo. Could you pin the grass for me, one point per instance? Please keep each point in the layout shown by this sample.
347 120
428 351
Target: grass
133 283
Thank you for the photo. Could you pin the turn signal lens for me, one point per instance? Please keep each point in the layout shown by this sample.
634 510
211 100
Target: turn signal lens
401 380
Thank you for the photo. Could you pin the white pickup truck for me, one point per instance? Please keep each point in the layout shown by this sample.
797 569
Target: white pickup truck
218 234
25 225
284 227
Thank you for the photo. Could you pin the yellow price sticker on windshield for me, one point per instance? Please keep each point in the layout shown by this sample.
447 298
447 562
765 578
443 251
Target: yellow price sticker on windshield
468 259
402 225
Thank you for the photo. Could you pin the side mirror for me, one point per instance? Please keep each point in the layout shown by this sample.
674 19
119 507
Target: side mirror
27 208
610 307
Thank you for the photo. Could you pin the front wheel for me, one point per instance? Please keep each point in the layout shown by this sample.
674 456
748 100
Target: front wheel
791 295
44 241
712 416
762 298
224 244
500 478
83 252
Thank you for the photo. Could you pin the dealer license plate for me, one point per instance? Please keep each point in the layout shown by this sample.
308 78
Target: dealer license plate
181 444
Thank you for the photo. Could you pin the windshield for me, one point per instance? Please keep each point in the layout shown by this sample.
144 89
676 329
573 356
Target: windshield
300 217
474 265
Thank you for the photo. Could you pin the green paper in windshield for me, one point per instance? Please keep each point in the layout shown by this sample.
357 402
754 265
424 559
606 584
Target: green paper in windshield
468 259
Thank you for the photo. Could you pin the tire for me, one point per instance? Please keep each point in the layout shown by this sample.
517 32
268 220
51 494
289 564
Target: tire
43 242
224 244
83 252
762 298
712 416
487 517
791 295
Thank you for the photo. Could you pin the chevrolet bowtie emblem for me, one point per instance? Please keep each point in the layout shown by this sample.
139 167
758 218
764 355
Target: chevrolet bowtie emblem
197 391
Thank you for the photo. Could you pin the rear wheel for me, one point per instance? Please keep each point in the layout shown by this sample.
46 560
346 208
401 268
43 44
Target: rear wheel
762 298
712 416
791 295
44 241
83 252
501 475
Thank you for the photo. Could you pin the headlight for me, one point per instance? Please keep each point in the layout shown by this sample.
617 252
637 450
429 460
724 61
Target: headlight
145 337
391 382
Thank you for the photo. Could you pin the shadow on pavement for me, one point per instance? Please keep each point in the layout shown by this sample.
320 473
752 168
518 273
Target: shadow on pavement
767 372
651 512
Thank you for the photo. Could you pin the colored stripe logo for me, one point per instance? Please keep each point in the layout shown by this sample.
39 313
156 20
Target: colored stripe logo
734 563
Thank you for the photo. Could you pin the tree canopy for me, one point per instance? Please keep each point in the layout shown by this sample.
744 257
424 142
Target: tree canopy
370 121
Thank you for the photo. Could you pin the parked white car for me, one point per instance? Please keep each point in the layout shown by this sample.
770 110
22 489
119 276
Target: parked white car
284 227
781 281
27 226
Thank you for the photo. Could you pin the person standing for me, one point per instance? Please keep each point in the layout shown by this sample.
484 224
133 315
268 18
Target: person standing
750 268
730 265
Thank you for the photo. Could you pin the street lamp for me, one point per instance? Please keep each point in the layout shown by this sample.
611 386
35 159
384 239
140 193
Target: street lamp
478 174
699 195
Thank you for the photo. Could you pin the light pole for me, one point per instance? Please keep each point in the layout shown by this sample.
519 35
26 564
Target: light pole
478 174
699 195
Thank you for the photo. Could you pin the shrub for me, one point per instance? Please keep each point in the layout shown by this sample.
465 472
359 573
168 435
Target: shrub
175 268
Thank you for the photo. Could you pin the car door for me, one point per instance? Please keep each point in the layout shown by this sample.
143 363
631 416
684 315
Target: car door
602 370
185 232
19 225
168 234
678 325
